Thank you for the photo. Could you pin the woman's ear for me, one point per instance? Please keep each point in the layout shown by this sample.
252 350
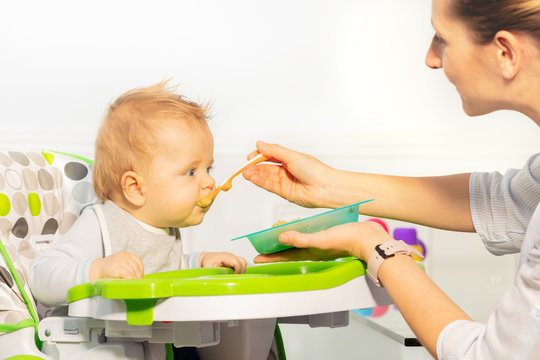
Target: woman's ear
509 53
132 188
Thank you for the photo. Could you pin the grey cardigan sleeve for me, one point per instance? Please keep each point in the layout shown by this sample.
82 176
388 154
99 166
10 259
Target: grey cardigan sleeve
512 330
506 214
502 206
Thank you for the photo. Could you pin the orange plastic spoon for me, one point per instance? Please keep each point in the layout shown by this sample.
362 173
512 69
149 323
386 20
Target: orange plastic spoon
208 199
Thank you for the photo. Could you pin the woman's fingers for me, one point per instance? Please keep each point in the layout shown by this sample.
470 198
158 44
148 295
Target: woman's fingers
351 239
273 178
321 240
291 255
306 247
273 151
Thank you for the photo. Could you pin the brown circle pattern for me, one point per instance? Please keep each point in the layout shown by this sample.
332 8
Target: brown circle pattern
50 227
19 157
20 203
30 180
45 179
13 179
5 160
5 227
37 159
75 171
5 277
51 204
20 229
58 177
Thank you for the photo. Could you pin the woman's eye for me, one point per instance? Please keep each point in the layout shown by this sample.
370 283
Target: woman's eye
438 39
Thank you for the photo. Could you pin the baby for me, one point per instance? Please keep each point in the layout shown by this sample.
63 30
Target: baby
153 154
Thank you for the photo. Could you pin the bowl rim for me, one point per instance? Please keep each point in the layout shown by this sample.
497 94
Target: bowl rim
306 218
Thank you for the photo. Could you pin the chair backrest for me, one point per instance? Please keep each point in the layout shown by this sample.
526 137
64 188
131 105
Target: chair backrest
41 195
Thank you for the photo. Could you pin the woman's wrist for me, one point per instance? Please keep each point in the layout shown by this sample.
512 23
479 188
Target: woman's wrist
372 235
336 192
368 247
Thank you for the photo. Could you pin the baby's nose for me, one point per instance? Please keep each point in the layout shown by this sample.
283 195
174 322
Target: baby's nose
208 182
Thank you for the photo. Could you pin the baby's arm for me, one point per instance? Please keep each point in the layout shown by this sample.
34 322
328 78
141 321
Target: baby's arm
67 262
214 259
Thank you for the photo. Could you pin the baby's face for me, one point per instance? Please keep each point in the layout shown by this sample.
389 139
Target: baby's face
178 176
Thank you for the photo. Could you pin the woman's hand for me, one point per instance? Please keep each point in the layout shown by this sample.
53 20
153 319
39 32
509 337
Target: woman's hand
215 259
351 239
306 181
297 177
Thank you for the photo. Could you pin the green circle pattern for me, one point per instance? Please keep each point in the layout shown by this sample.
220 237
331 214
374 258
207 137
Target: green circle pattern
5 205
34 204
48 156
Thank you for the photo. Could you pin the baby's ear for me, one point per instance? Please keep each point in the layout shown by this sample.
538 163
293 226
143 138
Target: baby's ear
131 184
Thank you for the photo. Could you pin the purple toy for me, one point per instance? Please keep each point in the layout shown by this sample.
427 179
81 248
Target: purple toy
408 235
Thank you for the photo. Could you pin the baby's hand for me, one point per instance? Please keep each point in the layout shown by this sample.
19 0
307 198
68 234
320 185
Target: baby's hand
215 259
121 265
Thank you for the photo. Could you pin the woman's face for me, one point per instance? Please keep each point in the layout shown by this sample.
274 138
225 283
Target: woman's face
465 63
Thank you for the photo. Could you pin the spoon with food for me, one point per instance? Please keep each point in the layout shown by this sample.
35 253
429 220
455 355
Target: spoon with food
207 200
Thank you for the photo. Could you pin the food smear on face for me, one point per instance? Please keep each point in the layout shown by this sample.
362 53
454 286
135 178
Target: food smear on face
205 201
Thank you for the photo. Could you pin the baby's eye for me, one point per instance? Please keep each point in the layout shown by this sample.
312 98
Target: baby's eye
191 172
209 169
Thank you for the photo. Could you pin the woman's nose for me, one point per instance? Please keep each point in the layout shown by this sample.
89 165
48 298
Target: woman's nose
433 59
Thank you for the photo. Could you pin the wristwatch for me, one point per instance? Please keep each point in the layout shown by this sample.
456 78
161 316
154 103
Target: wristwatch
384 251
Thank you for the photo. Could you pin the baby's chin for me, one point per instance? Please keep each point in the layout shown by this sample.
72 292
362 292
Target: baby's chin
197 222
195 219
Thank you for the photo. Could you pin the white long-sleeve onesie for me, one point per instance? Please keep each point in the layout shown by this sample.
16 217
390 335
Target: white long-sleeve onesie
67 262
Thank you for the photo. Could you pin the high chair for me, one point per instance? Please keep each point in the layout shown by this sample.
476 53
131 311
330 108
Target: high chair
225 315
41 196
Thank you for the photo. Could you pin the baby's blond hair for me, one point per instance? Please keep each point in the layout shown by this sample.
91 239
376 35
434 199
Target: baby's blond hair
127 137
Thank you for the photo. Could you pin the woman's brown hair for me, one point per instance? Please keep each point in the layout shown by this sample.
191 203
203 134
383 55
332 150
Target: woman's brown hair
486 17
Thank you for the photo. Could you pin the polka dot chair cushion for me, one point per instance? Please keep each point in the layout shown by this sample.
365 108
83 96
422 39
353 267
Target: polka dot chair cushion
41 195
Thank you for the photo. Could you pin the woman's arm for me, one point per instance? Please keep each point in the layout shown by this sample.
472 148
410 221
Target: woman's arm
424 306
441 202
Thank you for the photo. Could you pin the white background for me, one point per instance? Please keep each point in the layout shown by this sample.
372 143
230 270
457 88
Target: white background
343 80
270 69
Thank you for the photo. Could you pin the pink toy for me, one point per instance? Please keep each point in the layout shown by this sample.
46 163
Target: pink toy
380 222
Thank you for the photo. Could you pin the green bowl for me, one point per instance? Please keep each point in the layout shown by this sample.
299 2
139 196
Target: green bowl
266 241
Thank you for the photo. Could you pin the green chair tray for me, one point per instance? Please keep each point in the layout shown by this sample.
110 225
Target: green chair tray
270 278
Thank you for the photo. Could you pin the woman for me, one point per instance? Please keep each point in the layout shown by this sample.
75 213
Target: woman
490 51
